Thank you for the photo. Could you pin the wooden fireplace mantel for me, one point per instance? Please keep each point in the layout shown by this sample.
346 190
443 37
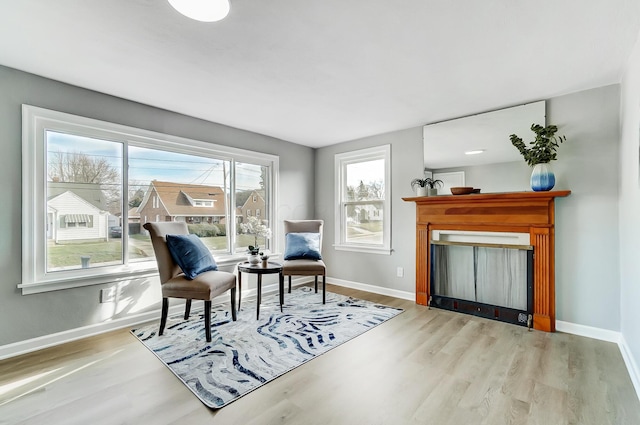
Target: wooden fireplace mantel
521 212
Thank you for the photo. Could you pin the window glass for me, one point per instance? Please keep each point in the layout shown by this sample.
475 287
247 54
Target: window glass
363 204
252 182
84 199
187 188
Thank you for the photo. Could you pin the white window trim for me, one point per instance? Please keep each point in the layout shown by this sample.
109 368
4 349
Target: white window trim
35 121
343 159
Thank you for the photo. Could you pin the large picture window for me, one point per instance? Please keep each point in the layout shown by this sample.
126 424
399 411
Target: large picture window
363 213
89 186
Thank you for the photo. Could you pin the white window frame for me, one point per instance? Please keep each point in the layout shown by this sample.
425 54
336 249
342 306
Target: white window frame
341 162
35 122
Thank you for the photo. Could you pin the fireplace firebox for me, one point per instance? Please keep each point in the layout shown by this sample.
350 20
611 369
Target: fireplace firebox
491 281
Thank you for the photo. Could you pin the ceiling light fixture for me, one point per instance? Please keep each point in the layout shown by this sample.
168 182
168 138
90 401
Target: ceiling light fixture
202 10
476 152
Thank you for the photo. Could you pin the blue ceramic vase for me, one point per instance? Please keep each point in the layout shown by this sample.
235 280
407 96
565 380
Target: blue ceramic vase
542 178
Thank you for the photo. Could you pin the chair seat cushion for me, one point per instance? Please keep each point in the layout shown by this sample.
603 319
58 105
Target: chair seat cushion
205 286
190 254
302 246
303 267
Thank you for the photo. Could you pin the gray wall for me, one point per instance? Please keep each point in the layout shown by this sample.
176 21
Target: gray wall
587 274
587 238
629 208
375 269
25 317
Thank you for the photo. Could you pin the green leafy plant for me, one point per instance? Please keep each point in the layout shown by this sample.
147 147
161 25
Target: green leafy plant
427 182
543 148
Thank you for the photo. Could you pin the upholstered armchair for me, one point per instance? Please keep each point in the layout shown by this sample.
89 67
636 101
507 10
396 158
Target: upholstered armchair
204 286
309 262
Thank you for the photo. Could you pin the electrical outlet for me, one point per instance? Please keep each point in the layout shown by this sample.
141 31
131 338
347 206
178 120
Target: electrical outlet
108 295
400 272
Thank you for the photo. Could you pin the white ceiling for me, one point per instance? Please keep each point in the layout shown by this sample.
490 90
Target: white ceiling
319 72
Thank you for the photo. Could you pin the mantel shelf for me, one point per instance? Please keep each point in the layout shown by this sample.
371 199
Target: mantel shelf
475 197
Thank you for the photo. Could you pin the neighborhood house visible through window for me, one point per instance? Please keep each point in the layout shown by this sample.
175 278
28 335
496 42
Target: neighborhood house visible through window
362 195
103 181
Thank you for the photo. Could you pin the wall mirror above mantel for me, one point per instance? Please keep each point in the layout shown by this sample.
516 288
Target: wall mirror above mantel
446 143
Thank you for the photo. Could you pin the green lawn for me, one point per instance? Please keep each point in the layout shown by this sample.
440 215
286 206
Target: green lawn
370 227
370 232
104 252
68 255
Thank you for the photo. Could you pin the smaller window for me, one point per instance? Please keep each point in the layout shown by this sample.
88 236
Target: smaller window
255 199
248 213
201 203
257 212
363 198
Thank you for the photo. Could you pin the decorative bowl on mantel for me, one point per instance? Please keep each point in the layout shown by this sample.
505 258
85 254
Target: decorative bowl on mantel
461 190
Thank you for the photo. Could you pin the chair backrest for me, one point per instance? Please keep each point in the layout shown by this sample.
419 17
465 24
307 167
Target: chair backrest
158 232
304 226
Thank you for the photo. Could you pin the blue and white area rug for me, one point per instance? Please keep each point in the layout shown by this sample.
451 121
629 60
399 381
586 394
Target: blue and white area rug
248 353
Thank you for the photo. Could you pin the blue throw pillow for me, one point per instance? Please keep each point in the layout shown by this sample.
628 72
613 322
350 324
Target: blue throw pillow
191 254
302 246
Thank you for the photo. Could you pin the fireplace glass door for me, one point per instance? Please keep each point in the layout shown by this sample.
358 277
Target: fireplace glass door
487 281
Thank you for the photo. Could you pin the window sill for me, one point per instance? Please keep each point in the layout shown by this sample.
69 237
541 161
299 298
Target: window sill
136 271
364 249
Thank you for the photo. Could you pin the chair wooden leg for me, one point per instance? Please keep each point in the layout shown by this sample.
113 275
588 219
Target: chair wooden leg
281 289
207 319
289 283
233 304
239 289
187 309
324 289
259 296
316 282
163 317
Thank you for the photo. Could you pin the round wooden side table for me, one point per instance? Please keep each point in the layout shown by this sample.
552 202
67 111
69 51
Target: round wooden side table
259 269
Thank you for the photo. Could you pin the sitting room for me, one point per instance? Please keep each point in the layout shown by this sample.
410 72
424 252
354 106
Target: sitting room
320 212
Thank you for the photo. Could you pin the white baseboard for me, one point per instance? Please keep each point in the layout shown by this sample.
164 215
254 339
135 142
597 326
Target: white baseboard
338 282
588 331
45 341
411 296
34 344
632 366
610 336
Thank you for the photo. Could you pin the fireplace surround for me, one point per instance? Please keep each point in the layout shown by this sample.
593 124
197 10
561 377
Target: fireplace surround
529 213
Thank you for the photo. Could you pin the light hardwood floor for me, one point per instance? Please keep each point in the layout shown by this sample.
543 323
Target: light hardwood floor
422 367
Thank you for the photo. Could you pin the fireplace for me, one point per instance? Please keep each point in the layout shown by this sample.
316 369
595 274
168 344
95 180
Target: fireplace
489 280
520 221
